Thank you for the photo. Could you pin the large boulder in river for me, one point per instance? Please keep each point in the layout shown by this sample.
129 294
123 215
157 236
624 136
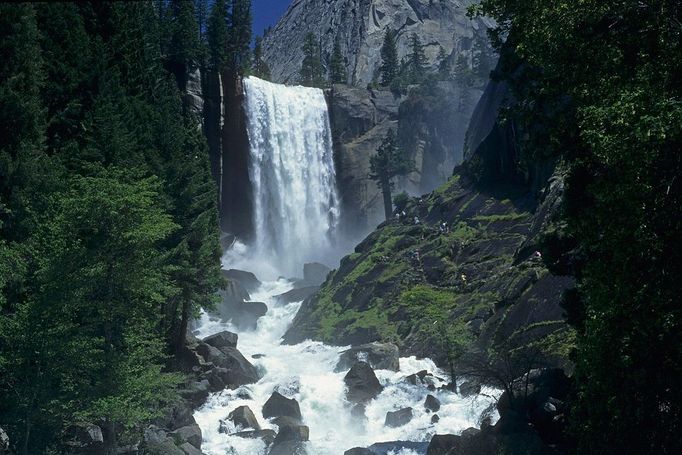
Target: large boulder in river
398 418
278 406
190 434
222 339
299 433
432 403
380 356
296 295
233 368
288 448
362 383
267 435
247 279
246 315
243 417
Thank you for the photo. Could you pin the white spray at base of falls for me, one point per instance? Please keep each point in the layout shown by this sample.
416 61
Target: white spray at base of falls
306 372
291 168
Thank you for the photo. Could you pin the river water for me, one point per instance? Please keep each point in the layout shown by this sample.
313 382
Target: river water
305 372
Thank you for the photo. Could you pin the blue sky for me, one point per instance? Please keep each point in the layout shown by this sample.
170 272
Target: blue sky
267 12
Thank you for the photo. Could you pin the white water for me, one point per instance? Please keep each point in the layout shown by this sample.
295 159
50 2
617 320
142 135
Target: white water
306 372
291 168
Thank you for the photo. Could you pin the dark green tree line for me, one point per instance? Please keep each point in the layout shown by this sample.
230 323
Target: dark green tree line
389 162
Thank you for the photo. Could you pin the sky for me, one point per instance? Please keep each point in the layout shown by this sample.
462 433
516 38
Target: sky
266 13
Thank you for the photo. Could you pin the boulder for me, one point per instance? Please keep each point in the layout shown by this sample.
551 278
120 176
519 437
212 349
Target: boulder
358 451
470 388
190 434
247 314
165 447
247 279
278 405
398 418
153 434
432 403
390 447
222 339
189 449
315 273
267 435
380 356
244 418
435 418
296 295
441 444
196 392
362 383
417 378
4 443
236 371
288 448
286 421
299 433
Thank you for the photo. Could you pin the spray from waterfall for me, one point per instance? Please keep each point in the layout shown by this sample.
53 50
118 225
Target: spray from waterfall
291 168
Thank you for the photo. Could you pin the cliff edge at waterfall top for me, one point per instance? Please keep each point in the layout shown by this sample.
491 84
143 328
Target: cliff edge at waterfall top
340 227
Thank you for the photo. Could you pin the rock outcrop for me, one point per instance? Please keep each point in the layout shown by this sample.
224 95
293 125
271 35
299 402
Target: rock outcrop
398 418
380 356
362 383
359 27
280 406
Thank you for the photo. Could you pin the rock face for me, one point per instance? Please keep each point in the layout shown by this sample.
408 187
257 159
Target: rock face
359 27
235 302
244 418
362 383
222 339
4 443
380 356
431 123
296 295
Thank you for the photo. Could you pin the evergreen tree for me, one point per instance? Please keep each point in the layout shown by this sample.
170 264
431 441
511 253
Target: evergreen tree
443 64
338 66
311 68
389 162
416 63
184 47
218 35
464 80
239 32
260 67
389 58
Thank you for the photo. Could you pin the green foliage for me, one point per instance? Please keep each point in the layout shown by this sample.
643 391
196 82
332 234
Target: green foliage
389 58
311 69
389 162
416 61
400 201
338 73
218 34
260 68
598 85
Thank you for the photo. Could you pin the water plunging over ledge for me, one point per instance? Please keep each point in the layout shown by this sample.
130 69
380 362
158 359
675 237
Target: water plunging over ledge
291 168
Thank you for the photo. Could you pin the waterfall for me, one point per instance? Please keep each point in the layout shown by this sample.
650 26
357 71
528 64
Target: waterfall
291 168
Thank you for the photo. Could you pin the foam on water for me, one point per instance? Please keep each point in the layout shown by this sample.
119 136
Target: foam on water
306 372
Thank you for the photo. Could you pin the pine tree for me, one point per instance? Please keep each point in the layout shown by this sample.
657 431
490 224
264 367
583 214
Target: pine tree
389 162
389 58
311 68
464 80
184 46
239 32
218 35
443 64
260 67
337 66
416 62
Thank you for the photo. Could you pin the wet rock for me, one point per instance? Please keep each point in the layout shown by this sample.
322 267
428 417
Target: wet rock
362 383
244 418
237 370
278 405
257 356
470 388
286 421
398 418
417 378
248 313
296 295
315 273
222 339
247 279
358 451
267 435
387 448
165 447
441 444
380 356
299 433
435 418
358 411
190 434
432 403
288 448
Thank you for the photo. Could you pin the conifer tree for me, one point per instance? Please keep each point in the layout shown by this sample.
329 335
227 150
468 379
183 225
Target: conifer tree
260 67
389 58
311 68
416 62
218 35
389 162
184 46
443 64
239 32
337 66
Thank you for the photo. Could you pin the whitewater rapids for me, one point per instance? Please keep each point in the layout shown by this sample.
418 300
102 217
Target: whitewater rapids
306 372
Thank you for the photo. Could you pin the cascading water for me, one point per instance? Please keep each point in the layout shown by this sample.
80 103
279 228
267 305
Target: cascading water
296 210
292 174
